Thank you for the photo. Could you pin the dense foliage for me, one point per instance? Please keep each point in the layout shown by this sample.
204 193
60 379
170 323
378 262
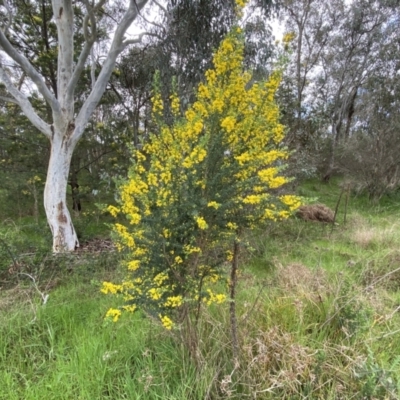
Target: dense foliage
197 184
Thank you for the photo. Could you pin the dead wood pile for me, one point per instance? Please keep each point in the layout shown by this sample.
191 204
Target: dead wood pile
316 212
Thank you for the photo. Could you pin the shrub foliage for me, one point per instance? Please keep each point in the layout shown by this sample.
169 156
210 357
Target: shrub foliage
194 187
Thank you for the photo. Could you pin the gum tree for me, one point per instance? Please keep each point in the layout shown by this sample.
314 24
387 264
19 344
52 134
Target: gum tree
65 124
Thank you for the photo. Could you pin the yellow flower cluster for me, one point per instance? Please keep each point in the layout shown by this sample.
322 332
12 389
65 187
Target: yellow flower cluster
288 37
133 265
214 298
166 322
202 224
175 104
112 288
197 182
158 105
155 293
114 314
293 202
241 3
173 301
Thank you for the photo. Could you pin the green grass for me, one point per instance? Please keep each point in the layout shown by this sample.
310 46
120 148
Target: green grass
64 350
317 311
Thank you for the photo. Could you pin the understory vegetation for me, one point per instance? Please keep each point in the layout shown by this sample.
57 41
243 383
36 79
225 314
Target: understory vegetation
317 308
236 193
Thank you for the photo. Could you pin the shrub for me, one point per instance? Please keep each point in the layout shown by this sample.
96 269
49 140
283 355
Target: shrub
195 186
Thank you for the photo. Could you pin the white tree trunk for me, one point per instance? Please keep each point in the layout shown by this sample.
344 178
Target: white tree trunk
55 202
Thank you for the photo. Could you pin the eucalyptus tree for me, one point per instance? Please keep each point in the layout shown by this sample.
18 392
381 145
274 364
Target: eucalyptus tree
335 49
67 118
308 24
370 156
351 59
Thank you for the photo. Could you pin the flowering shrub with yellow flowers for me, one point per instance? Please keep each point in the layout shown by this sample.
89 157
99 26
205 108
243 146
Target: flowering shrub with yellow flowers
195 185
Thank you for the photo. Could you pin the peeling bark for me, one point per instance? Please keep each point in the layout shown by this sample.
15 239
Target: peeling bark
55 202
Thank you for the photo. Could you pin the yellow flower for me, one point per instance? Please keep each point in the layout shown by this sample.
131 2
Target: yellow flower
241 3
231 225
113 210
213 204
109 287
158 105
154 293
133 265
201 222
178 260
288 37
130 308
214 298
114 314
166 322
173 301
191 249
160 278
175 104
293 202
229 124
166 233
253 199
218 105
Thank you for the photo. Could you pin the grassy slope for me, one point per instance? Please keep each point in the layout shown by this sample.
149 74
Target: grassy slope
317 312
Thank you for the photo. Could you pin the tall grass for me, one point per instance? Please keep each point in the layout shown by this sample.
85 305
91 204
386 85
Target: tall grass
318 317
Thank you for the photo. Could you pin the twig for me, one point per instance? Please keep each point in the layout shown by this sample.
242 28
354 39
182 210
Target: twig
254 303
346 203
44 296
336 209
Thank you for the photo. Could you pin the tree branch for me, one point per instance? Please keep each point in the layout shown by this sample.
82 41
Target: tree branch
64 18
30 71
139 38
90 39
9 99
25 105
9 18
78 70
117 46
160 6
153 23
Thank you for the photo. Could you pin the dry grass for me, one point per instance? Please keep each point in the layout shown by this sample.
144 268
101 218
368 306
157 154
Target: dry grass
367 236
274 360
18 296
296 277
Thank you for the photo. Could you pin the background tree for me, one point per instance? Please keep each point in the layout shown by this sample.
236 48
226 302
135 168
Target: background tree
370 155
335 51
347 63
181 48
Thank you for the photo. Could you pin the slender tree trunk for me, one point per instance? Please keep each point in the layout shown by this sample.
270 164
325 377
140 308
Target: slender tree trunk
76 201
332 152
55 202
232 295
73 183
